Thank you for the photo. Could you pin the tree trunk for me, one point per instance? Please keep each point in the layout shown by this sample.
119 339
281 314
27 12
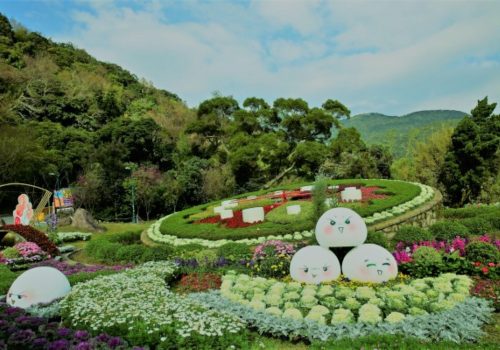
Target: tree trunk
283 173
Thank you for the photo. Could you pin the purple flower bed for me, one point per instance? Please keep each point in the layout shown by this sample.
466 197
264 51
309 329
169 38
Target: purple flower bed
68 269
18 330
404 252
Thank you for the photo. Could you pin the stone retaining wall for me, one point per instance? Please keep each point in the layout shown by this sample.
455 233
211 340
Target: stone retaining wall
423 216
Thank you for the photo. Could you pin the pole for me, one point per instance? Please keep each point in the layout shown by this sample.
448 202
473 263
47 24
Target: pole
133 204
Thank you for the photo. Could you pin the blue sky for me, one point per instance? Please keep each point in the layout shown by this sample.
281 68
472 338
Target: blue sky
392 57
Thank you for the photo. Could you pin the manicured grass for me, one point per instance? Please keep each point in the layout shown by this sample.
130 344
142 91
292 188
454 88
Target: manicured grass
280 216
180 224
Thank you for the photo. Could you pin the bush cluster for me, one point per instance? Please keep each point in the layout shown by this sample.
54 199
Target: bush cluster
125 248
409 234
447 230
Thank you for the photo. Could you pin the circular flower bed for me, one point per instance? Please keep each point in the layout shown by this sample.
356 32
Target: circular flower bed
199 224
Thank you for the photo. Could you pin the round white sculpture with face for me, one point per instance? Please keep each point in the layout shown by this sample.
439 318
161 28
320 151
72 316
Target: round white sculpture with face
314 264
38 285
369 263
340 227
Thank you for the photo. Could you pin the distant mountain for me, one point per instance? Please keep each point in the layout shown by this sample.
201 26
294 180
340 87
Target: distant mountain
399 132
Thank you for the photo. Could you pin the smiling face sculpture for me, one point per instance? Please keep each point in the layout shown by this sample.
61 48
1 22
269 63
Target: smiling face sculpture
340 227
369 263
314 264
38 285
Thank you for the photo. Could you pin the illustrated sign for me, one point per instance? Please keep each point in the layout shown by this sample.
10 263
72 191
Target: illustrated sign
63 198
24 211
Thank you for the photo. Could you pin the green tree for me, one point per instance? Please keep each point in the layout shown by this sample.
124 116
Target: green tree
337 109
472 159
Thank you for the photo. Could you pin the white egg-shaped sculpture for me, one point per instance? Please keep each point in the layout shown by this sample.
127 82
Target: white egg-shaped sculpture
340 227
314 264
38 285
369 263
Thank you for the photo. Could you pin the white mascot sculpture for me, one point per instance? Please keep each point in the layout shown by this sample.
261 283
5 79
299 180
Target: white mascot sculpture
314 264
38 285
340 227
369 263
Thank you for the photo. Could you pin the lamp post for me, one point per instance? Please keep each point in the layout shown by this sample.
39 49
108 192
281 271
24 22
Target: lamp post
134 219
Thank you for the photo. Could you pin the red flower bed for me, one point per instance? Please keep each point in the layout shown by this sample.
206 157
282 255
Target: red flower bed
237 220
488 289
33 235
199 282
368 193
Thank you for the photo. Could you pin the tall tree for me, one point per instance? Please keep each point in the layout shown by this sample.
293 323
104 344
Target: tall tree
472 157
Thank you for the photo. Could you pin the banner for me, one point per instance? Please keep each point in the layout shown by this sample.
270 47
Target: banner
63 198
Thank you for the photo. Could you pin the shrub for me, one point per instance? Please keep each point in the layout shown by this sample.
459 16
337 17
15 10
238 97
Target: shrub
129 237
11 253
377 238
477 226
482 252
7 277
102 250
427 255
235 251
31 234
130 253
318 199
163 252
410 234
447 230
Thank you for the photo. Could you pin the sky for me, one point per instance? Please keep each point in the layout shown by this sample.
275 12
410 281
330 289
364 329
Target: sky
391 57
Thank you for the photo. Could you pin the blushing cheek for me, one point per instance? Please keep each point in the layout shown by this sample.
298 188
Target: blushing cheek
328 230
328 273
363 271
353 228
391 269
303 274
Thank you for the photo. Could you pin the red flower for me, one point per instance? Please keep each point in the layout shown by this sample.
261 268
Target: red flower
491 264
477 263
485 270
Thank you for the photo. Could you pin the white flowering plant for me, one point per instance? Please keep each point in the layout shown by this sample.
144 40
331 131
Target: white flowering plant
364 304
137 305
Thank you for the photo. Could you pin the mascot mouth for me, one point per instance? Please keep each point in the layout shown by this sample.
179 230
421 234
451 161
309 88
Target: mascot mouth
341 229
379 272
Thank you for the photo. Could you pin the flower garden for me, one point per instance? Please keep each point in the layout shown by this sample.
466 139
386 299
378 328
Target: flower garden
183 292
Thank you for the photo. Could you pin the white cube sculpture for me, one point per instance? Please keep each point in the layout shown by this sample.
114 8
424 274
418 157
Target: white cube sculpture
226 214
350 194
252 215
232 203
217 210
278 193
307 188
252 197
293 209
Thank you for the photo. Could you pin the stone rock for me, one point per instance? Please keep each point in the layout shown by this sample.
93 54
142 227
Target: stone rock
293 209
84 221
252 215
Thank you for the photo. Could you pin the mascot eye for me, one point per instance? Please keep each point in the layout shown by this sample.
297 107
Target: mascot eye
386 264
325 268
370 265
332 222
19 297
347 221
306 269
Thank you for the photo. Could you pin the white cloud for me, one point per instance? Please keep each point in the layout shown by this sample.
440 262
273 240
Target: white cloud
384 57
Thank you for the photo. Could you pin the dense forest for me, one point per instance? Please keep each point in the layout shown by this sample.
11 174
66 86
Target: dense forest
67 119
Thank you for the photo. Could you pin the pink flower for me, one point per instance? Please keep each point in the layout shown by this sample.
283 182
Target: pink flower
27 249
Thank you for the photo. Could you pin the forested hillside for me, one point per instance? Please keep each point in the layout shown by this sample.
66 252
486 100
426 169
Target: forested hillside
401 133
67 119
